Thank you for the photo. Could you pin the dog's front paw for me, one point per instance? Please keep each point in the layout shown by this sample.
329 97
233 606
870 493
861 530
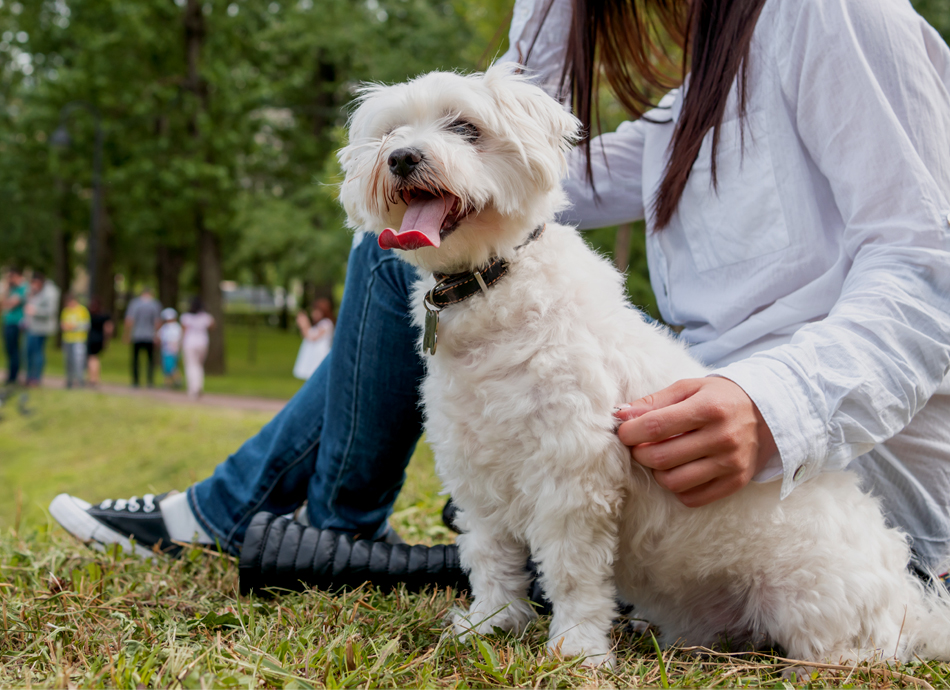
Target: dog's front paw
462 625
596 653
511 617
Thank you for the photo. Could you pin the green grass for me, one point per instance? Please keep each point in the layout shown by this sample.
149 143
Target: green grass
98 446
79 618
259 362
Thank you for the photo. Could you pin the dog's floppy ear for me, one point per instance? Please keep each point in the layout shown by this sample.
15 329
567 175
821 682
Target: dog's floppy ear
525 107
507 82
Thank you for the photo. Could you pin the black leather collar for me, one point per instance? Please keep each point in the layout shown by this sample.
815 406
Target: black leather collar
458 287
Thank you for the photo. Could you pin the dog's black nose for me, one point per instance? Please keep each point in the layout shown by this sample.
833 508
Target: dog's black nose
403 161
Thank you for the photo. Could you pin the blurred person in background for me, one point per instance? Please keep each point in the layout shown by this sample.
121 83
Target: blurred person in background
101 329
41 307
74 322
194 346
142 319
317 332
13 303
169 336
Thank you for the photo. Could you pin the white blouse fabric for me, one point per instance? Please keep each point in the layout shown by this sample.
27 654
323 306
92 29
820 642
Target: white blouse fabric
817 275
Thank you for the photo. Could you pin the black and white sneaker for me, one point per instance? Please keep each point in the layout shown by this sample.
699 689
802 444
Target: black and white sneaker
135 523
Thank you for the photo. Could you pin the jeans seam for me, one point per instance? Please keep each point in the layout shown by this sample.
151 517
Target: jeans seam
345 458
227 540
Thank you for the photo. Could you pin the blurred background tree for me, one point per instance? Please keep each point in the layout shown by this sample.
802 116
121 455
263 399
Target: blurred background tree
220 122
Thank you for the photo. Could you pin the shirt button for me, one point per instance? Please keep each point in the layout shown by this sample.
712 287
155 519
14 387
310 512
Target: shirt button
799 472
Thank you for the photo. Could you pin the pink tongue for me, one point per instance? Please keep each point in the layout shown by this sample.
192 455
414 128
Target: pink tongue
420 226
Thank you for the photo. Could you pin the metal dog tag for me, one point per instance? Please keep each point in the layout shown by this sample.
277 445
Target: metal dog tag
430 338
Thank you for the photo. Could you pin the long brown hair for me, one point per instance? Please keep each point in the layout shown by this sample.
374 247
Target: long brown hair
644 48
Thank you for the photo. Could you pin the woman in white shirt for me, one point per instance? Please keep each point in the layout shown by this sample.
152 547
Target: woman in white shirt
194 346
795 192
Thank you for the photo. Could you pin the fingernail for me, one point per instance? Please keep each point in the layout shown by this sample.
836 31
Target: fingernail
618 410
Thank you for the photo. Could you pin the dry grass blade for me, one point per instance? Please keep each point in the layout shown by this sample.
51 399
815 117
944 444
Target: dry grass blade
880 670
873 668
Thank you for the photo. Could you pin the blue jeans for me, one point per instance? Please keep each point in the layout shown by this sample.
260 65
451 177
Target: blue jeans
343 442
35 357
11 343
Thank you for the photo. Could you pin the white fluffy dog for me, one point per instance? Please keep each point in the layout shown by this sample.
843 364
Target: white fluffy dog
457 173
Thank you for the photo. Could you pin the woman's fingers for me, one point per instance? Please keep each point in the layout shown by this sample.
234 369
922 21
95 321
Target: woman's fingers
669 412
702 438
690 475
675 451
678 392
710 492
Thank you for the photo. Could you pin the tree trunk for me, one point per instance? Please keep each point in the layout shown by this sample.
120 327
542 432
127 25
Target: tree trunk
209 246
325 106
61 242
130 280
284 321
622 246
168 272
308 296
104 289
195 31
209 287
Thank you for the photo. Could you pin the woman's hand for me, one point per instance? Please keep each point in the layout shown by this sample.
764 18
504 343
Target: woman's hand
704 439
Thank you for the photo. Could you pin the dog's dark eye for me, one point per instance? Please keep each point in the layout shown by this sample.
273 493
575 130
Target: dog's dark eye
464 129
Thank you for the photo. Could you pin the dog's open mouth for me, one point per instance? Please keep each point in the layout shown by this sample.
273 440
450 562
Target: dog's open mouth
429 219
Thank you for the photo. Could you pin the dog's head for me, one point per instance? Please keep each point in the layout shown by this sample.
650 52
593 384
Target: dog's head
452 170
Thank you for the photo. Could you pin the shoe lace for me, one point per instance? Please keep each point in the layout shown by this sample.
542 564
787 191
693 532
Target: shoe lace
131 504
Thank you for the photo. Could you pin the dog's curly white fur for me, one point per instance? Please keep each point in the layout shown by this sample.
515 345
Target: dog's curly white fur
519 402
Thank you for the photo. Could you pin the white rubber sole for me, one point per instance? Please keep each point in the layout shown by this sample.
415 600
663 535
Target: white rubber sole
70 513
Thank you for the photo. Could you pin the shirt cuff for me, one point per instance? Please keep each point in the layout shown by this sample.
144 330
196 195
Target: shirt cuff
783 401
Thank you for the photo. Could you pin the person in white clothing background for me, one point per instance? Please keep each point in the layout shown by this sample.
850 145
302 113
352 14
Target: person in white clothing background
795 183
196 323
316 329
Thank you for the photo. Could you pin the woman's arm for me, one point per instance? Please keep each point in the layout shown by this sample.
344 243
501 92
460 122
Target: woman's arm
303 323
872 107
873 111
538 40
616 195
320 330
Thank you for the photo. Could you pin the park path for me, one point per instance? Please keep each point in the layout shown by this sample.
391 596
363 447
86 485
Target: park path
173 397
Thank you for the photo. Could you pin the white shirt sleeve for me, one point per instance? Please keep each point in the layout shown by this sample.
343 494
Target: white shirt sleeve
617 193
872 112
538 40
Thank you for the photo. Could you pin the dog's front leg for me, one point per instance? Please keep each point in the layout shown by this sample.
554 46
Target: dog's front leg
496 569
575 552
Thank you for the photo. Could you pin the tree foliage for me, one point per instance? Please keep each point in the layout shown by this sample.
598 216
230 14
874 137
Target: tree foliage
220 118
